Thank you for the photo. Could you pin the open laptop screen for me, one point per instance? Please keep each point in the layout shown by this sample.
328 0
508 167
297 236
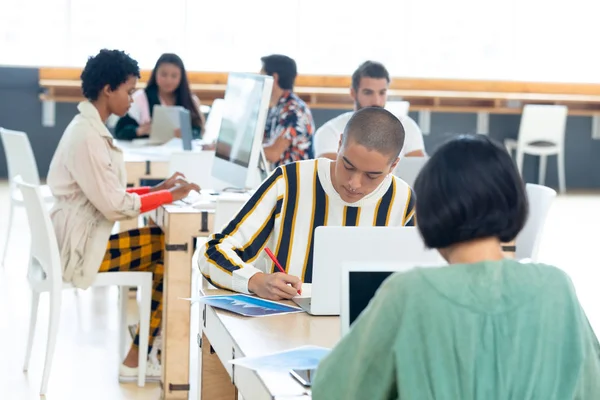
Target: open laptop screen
362 286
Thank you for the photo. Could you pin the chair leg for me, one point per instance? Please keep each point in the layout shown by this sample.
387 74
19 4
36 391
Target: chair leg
54 319
35 301
11 212
542 170
145 309
562 184
520 158
123 295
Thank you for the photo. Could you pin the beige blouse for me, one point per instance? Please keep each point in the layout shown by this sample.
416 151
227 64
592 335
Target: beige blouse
87 178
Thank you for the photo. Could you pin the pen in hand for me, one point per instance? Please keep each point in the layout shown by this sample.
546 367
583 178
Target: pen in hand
274 259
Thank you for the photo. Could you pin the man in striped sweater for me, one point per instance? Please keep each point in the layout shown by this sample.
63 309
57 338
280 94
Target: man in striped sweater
357 189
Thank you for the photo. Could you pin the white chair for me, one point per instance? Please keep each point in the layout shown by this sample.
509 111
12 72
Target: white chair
528 241
542 133
408 168
398 108
21 162
45 275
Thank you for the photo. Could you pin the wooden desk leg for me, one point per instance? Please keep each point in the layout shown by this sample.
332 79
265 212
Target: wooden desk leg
179 249
216 383
128 224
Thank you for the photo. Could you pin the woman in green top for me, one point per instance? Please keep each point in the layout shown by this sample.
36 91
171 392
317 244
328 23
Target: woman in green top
484 327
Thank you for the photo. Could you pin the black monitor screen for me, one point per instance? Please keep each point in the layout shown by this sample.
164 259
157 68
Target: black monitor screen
362 288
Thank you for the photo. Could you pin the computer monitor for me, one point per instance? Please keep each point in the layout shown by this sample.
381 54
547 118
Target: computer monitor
213 122
238 151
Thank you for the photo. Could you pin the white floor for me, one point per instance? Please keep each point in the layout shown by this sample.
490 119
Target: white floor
86 363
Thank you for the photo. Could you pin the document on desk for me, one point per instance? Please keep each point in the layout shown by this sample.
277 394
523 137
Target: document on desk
248 306
299 358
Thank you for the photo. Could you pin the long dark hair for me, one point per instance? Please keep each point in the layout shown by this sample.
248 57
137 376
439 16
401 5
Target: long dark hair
183 94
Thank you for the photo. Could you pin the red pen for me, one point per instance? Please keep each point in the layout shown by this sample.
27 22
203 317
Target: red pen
272 257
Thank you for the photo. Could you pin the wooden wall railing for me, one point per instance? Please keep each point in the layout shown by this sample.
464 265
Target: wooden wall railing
332 92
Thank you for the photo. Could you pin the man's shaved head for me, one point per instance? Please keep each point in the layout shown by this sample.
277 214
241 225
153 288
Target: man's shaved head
376 129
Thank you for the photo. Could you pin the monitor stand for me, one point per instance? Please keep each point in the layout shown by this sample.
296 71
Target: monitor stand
258 174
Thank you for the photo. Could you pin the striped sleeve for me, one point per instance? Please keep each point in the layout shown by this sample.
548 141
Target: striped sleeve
227 256
409 217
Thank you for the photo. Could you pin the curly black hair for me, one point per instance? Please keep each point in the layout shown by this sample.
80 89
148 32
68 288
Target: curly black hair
109 67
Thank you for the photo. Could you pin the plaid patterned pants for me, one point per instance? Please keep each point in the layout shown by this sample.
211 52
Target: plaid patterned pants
140 250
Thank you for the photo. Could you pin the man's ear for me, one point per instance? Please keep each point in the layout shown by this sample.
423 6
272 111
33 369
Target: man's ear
353 93
394 164
340 143
275 78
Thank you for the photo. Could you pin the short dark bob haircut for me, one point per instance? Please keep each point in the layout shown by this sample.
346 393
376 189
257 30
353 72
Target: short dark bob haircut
108 67
469 189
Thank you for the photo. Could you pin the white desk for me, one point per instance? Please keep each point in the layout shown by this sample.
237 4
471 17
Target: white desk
227 336
145 162
148 162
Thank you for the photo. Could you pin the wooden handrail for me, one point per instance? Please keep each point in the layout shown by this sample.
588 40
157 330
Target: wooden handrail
63 84
398 83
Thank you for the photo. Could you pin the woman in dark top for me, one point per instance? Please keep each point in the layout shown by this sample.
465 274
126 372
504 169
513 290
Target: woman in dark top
168 86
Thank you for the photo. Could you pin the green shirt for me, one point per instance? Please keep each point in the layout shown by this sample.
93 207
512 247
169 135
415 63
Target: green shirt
491 330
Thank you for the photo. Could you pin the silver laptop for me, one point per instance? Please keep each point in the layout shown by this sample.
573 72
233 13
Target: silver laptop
185 124
336 245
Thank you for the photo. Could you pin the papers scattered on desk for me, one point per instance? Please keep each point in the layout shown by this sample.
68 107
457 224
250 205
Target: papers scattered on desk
248 306
300 358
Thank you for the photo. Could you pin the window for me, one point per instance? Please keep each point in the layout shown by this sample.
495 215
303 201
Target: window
33 32
531 40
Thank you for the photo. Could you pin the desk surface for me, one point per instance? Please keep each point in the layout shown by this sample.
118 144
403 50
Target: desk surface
139 151
266 335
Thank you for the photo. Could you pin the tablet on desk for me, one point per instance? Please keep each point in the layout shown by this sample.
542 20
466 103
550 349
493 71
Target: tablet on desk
165 119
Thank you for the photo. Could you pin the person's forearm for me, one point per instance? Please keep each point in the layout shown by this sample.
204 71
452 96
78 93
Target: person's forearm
139 190
151 201
271 154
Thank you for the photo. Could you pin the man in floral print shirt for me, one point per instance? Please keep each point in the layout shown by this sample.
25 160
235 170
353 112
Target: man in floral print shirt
290 126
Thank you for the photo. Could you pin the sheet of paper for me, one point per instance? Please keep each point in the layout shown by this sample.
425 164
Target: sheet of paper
301 358
248 306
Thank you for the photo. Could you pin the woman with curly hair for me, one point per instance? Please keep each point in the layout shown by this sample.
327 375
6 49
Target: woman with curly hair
87 179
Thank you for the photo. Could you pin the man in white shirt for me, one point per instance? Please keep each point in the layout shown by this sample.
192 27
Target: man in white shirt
370 83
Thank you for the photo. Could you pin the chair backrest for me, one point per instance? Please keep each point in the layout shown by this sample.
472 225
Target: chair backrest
543 123
44 246
227 207
528 241
408 168
19 156
398 108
